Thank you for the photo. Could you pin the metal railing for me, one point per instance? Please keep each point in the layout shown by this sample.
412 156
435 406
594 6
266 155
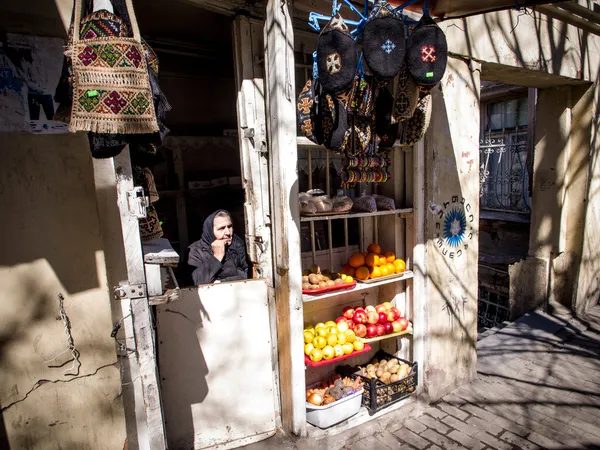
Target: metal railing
503 174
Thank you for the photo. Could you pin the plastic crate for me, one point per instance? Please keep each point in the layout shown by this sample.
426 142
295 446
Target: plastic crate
378 395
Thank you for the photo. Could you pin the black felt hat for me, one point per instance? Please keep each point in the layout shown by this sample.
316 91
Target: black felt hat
427 53
385 129
406 98
308 111
337 55
384 42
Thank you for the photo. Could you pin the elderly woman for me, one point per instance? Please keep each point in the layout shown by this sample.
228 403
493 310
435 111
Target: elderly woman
220 255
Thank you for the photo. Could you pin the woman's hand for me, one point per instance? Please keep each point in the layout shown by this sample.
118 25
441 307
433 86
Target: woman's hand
218 248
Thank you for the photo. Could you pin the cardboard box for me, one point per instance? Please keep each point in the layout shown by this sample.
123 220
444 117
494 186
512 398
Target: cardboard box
199 185
218 182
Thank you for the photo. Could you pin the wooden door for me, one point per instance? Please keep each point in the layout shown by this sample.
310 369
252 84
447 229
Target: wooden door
216 366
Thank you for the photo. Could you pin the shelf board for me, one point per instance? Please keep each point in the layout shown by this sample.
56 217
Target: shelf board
304 142
359 287
388 336
404 211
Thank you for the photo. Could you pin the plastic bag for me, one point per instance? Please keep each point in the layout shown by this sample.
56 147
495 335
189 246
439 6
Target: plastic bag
365 203
323 203
384 203
306 204
342 203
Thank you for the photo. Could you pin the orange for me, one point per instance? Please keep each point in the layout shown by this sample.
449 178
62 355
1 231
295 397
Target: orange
399 265
382 260
347 269
376 272
372 260
374 248
385 271
357 260
389 256
391 268
364 254
362 273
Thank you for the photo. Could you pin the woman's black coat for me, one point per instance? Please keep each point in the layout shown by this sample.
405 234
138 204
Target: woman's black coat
209 269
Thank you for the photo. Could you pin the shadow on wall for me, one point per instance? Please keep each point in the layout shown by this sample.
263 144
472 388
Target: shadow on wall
451 230
51 243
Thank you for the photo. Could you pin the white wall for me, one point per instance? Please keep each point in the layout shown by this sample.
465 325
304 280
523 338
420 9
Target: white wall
51 242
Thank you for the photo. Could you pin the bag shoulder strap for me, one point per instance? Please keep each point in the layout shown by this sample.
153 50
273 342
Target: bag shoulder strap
132 19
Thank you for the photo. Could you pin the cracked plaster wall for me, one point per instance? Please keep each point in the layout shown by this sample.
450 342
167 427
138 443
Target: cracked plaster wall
51 243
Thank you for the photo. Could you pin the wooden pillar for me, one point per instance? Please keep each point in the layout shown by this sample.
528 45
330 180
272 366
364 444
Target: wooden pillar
285 219
140 310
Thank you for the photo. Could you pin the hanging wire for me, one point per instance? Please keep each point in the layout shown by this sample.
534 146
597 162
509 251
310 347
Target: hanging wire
70 342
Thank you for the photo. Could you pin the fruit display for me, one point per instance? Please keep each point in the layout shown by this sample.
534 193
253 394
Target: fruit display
373 321
386 371
315 278
333 390
387 380
326 341
373 264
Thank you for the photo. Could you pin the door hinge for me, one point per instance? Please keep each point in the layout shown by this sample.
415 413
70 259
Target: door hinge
137 202
130 291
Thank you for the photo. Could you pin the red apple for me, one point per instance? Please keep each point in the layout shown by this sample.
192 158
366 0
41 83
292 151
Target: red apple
360 308
370 308
380 330
396 312
382 317
372 317
360 317
389 328
371 331
379 309
396 325
360 330
339 319
390 315
351 324
348 312
387 305
403 323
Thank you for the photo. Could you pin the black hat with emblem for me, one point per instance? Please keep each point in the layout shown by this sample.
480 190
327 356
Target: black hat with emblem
384 42
337 55
427 53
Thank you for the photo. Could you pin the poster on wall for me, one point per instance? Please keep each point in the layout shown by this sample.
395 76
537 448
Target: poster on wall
30 67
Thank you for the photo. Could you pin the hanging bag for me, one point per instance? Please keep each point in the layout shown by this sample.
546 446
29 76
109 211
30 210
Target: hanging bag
384 42
111 89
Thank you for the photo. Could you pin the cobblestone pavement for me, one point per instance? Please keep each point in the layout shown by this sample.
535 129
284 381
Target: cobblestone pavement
538 386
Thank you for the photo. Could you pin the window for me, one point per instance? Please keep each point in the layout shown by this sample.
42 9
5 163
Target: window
503 156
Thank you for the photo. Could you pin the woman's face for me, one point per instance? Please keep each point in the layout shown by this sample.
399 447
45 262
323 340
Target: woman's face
223 229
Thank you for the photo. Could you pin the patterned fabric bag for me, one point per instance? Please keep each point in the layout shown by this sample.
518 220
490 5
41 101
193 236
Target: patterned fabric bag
308 106
406 98
111 88
414 128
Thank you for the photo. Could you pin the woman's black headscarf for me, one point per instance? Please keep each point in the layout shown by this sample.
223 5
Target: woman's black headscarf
208 235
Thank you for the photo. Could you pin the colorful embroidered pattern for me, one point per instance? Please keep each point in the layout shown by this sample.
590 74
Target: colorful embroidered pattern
428 53
388 47
106 54
102 24
333 63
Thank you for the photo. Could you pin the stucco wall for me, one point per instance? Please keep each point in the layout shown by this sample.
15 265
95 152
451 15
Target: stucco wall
452 161
507 40
51 243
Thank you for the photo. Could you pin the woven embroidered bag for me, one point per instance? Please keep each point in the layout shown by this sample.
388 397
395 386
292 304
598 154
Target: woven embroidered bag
111 89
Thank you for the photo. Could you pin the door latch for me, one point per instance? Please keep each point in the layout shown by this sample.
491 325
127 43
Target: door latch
137 202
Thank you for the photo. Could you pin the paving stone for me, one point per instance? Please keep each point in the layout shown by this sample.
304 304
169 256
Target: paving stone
368 443
492 441
465 440
389 440
453 411
484 426
518 441
497 420
411 438
467 429
433 424
543 441
440 440
435 413
414 425
587 427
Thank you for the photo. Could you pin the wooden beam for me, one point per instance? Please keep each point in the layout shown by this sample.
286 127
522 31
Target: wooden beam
140 310
285 217
568 17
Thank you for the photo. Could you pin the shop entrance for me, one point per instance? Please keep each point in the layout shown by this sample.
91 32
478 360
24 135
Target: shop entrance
214 343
